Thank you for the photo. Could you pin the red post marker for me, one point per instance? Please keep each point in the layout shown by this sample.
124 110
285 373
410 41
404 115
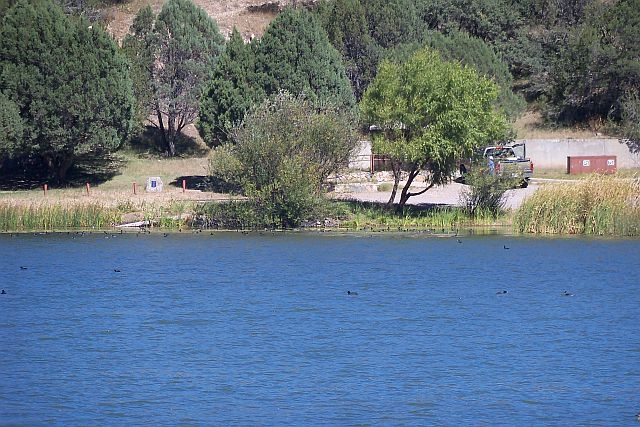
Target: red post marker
45 188
88 187
184 185
134 188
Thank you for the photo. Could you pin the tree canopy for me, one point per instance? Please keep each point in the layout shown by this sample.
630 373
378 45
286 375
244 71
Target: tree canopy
231 91
293 55
176 54
430 113
285 149
69 82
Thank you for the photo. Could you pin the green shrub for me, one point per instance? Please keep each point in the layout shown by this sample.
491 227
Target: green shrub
485 192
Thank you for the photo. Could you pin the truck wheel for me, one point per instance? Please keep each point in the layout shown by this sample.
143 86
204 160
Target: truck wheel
525 183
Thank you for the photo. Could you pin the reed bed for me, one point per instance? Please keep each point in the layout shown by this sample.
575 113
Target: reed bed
595 205
441 218
49 217
41 216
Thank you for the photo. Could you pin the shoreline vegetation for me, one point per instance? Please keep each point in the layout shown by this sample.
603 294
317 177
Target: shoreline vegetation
595 205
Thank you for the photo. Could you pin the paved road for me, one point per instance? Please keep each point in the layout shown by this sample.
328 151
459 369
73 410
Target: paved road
444 195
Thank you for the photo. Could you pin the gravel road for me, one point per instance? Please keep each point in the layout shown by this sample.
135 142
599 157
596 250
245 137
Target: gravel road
443 195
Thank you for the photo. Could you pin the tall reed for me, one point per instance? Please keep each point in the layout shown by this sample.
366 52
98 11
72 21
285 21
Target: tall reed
47 217
595 205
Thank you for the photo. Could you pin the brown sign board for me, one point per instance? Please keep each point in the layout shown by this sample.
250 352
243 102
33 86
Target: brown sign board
591 164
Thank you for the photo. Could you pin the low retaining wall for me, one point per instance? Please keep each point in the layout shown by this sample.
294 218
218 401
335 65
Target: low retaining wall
553 153
544 153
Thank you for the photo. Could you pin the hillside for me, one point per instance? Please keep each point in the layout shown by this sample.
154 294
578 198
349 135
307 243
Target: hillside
251 17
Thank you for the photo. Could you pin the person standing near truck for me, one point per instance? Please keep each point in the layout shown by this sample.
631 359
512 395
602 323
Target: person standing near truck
491 164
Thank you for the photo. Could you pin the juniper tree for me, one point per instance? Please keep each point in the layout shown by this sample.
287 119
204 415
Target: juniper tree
69 82
177 53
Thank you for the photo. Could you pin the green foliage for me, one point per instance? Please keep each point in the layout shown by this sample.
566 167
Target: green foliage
69 81
630 123
286 149
489 20
11 128
224 164
485 193
393 22
601 64
346 25
295 55
471 51
431 113
230 92
177 55
139 47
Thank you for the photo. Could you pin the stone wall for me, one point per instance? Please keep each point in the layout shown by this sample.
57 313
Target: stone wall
553 153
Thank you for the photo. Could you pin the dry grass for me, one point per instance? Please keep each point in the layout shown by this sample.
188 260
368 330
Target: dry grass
595 205
227 13
119 190
531 125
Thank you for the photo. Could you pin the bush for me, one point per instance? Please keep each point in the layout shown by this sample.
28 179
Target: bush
485 193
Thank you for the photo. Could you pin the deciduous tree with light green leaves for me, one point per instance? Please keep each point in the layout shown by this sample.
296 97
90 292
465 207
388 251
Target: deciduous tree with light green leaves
430 113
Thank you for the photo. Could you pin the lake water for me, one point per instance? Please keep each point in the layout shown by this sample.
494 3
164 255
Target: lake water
234 329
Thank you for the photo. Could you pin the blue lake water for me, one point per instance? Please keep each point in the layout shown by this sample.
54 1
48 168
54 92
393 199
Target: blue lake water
233 329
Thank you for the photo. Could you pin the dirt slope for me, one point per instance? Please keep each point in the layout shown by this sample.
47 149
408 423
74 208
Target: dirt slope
227 13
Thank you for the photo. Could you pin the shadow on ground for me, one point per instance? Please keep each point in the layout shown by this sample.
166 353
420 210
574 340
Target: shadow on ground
31 173
206 184
150 142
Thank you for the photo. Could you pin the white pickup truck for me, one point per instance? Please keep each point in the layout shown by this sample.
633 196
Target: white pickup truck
509 158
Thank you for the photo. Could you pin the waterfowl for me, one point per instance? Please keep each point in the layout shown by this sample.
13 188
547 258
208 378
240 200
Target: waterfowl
3 292
351 293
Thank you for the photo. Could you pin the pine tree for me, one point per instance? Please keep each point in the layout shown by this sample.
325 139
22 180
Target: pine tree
295 55
346 25
69 81
178 55
230 93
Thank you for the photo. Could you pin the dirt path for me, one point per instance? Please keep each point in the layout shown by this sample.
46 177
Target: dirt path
445 195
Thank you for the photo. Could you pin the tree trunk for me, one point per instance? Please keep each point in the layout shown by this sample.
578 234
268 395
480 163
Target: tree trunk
404 195
64 167
171 140
163 132
395 166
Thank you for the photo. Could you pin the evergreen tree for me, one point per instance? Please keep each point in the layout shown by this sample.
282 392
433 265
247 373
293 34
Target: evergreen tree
69 81
346 25
11 128
139 46
295 55
601 65
230 93
178 56
471 51
393 22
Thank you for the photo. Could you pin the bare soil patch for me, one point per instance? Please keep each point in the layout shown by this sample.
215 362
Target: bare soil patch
246 15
